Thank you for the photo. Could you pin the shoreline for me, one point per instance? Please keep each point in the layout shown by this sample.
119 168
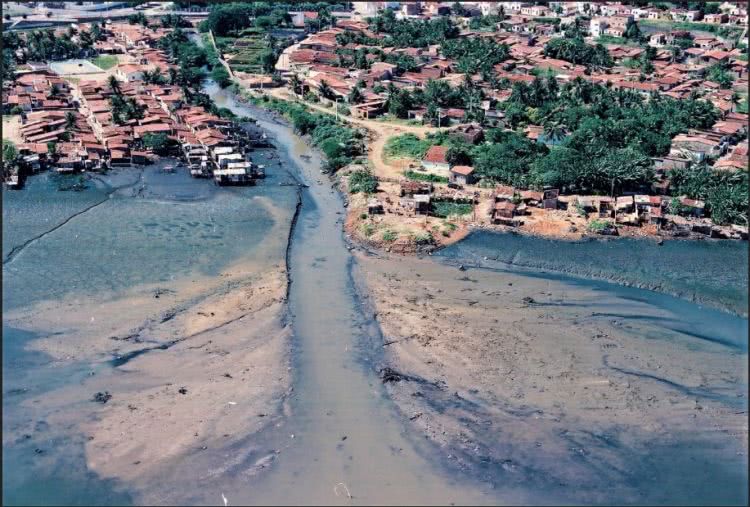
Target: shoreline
537 224
354 239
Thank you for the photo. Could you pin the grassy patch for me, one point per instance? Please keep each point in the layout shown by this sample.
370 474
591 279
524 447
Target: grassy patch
731 32
446 209
105 61
406 146
413 175
742 107
368 230
611 39
389 236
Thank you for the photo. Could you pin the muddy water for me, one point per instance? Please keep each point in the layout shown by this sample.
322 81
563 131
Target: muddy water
343 443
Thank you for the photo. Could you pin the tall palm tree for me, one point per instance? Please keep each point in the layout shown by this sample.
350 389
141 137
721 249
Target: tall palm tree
295 82
325 90
114 85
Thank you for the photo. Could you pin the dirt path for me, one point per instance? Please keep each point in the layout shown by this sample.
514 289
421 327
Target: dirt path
379 133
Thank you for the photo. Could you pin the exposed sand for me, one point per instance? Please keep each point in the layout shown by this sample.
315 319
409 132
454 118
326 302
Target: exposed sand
222 339
11 129
534 385
229 351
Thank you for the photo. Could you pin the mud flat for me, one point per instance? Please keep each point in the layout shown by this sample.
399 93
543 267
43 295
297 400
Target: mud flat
146 332
589 391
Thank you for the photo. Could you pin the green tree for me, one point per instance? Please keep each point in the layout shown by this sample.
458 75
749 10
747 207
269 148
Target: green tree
10 154
220 75
70 120
325 90
114 85
355 96
156 142
8 66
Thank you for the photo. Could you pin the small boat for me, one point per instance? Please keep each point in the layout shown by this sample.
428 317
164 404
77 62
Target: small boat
168 169
12 181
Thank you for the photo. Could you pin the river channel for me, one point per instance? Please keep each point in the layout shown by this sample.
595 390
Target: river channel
341 439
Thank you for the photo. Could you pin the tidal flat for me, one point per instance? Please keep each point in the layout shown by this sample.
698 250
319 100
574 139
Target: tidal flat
588 390
144 322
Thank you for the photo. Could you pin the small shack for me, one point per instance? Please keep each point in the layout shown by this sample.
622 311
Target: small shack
462 175
410 188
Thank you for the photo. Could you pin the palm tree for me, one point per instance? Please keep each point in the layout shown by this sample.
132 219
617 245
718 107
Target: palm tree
675 54
114 85
70 120
295 82
172 75
325 90
735 99
554 132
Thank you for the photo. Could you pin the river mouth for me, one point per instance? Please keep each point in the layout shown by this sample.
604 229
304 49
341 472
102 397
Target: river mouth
328 432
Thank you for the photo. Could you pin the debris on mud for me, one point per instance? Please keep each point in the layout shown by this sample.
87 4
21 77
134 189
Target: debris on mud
102 397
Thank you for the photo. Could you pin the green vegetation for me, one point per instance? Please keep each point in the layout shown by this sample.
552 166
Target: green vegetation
368 229
725 193
220 75
433 178
719 73
729 32
424 238
389 236
339 143
362 181
446 209
406 146
611 39
234 17
404 33
159 143
105 61
576 51
8 68
598 226
473 53
10 156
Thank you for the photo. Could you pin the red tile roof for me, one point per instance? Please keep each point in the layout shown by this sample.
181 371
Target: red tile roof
436 155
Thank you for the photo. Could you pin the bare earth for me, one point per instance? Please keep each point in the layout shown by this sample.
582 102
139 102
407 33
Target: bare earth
535 385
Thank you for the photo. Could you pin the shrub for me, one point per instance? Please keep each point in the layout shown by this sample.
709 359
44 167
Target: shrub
389 236
599 225
368 230
424 238
362 181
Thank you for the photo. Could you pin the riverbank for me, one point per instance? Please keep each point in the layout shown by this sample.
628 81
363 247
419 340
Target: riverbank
563 386
397 228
